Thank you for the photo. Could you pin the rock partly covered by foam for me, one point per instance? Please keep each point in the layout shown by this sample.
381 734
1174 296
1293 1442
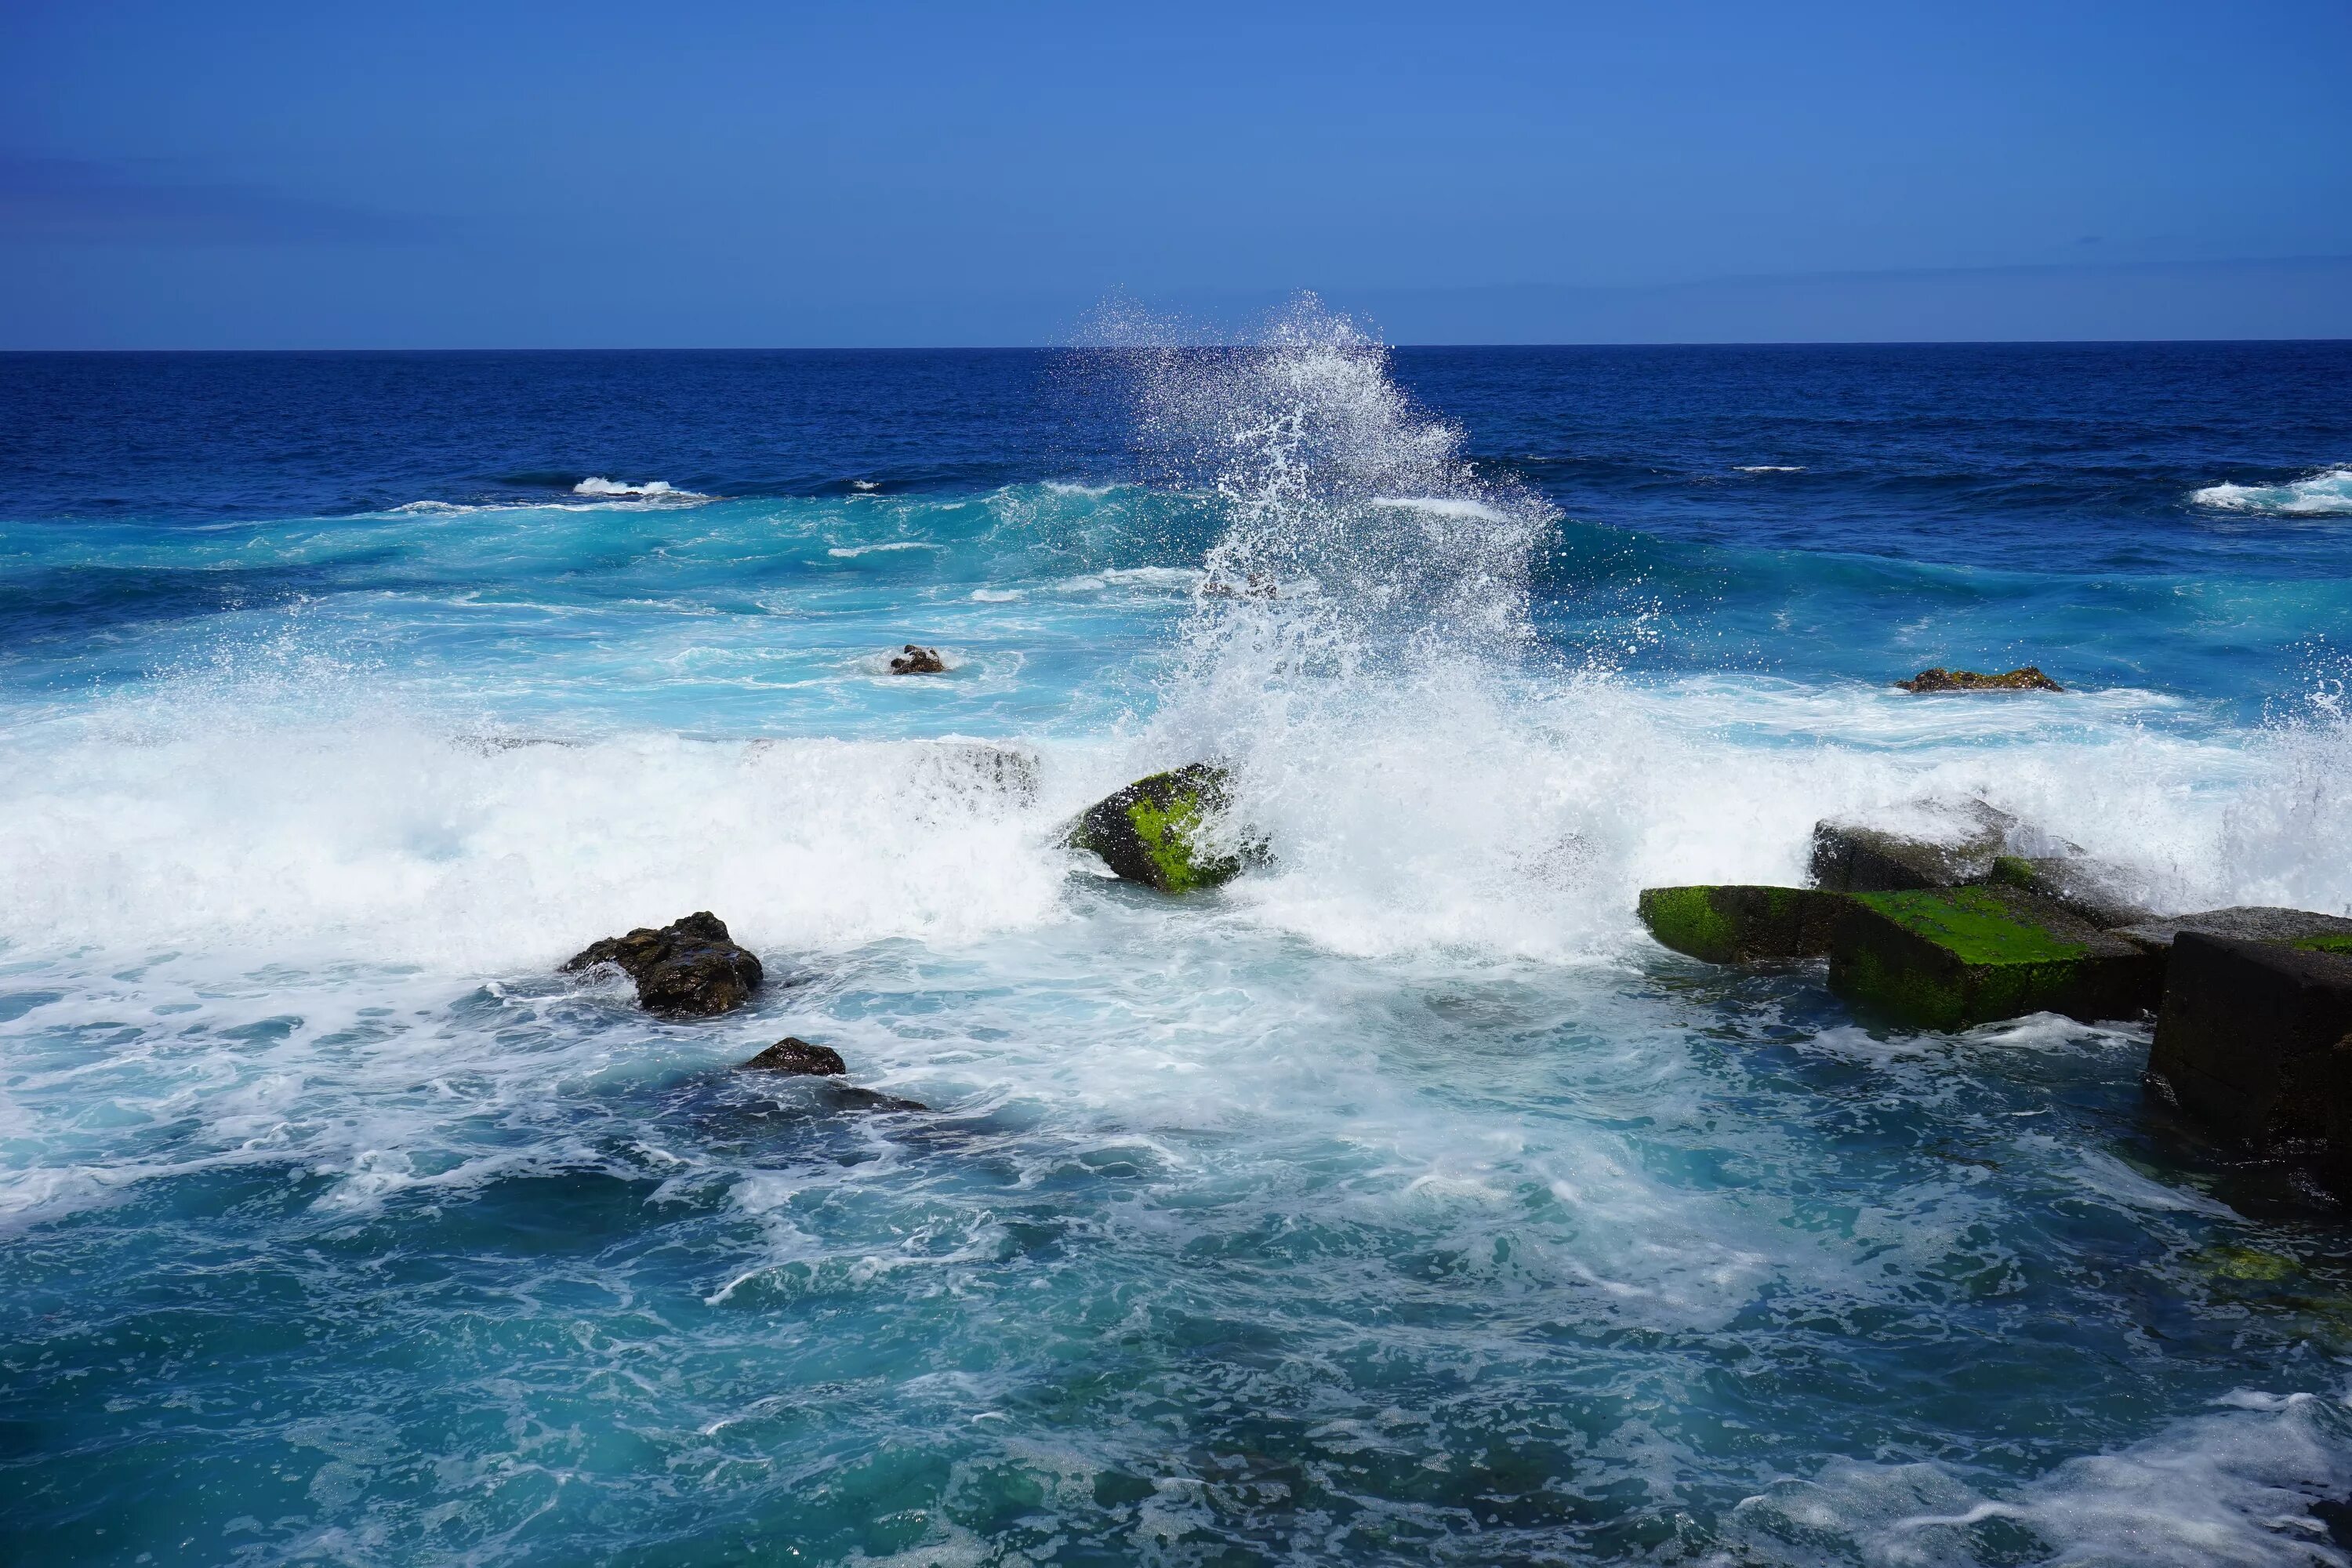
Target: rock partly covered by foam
796 1056
1948 958
1740 924
689 968
1167 831
918 661
2098 892
2253 1039
1955 843
2028 679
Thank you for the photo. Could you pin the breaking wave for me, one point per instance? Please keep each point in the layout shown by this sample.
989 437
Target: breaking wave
2325 494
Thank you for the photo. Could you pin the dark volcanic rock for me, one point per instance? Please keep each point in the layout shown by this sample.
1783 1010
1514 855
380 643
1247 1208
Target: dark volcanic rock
1742 924
1948 958
793 1055
2028 679
2247 1038
689 968
918 661
1851 856
1157 830
850 1097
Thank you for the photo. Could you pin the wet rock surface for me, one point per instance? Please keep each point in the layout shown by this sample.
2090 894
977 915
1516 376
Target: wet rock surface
1743 924
1951 958
2247 1041
1161 830
793 1055
2243 922
1851 855
2093 889
917 660
690 968
2027 678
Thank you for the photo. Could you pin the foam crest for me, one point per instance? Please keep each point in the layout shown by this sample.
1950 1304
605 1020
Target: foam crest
309 825
2238 1487
2325 494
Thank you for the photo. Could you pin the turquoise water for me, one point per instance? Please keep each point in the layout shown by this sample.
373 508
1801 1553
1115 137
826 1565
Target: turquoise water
1402 1203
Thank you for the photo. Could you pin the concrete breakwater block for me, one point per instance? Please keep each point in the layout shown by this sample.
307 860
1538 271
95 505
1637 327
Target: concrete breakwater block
2247 923
1950 958
1958 844
1741 924
2248 1040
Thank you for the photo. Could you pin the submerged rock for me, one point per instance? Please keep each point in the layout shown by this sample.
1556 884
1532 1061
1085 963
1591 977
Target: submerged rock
1855 857
918 661
793 1054
2248 1041
1743 924
689 968
1950 958
1162 830
2028 679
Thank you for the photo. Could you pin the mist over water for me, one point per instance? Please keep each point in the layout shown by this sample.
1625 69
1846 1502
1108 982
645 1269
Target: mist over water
1400 1203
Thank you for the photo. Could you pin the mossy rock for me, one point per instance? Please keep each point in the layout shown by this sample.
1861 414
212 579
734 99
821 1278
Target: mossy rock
1950 958
2093 889
1159 831
1742 924
2250 1263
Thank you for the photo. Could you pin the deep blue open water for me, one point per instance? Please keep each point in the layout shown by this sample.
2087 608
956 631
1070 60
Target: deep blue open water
1399 1203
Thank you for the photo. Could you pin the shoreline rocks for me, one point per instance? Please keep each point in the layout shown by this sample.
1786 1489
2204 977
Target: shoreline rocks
1162 830
2027 678
1855 857
690 968
2252 1038
1953 958
1736 924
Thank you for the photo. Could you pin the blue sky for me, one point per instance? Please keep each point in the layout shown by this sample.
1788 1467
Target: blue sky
488 174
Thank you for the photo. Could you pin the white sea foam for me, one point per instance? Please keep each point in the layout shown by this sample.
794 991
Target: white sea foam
1770 469
2233 1488
2323 494
652 490
851 551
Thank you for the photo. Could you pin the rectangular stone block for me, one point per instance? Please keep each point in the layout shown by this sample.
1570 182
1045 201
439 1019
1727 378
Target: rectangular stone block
2246 1040
1742 924
1852 856
1950 958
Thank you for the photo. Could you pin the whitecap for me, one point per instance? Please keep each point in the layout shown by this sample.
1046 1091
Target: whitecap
851 551
652 490
1770 469
2325 494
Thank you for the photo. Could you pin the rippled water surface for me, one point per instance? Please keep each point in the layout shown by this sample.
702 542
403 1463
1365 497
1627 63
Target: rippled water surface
1402 1203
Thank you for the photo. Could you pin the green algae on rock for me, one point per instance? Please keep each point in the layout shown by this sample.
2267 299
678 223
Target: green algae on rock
1950 958
1742 924
1159 830
2091 888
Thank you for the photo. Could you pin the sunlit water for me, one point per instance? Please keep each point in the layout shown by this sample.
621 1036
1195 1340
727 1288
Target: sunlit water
1402 1203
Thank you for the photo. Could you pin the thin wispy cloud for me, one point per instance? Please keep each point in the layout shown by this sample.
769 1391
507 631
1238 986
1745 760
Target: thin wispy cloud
173 201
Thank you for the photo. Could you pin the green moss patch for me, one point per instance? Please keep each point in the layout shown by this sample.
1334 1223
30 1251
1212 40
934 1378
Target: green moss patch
1742 924
1950 958
1157 830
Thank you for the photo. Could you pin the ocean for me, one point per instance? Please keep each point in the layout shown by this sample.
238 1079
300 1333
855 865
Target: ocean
1400 1203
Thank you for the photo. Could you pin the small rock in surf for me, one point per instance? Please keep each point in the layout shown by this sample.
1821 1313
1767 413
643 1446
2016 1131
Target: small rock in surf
918 661
689 969
1162 830
793 1054
2028 679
